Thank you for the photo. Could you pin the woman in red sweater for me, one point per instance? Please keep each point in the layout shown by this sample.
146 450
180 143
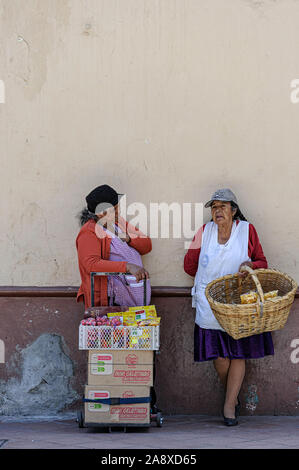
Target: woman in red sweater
108 243
221 247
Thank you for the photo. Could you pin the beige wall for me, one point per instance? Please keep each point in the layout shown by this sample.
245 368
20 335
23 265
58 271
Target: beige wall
167 100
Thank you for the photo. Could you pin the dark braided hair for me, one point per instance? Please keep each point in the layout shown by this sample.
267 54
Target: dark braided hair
238 214
86 215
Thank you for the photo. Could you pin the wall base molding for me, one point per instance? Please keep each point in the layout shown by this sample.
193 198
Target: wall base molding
71 291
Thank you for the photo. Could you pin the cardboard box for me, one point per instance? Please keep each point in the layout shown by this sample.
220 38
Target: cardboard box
138 413
120 367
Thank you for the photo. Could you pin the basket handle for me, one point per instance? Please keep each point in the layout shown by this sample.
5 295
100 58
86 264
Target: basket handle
256 281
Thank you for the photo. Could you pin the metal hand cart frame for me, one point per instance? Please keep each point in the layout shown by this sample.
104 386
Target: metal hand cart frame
155 413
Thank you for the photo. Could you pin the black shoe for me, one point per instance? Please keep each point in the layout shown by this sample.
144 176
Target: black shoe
238 408
230 421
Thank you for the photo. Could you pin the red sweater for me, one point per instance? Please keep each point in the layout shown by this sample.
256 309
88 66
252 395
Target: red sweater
255 251
93 248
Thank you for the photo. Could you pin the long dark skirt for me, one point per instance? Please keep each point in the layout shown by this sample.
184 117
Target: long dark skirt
210 344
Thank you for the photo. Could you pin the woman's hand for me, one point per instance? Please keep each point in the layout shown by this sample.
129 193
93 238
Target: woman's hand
137 271
244 273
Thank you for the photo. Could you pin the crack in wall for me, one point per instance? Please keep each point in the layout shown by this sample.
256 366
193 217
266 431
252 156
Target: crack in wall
26 79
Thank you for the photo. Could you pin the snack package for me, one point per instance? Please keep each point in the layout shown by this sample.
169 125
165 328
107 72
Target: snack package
126 318
144 312
144 308
132 317
150 322
249 298
116 318
129 319
271 294
140 338
115 314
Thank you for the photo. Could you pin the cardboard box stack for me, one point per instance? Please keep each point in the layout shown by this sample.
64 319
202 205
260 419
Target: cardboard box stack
118 385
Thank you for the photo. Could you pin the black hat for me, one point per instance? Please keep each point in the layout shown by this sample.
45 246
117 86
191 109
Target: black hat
104 195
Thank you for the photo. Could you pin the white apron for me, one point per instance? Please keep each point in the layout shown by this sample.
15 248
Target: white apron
215 261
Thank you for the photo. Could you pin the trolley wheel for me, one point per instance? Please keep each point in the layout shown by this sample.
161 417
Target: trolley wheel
80 419
159 419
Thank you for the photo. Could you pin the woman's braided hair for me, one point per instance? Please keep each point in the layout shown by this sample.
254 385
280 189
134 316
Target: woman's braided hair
86 215
238 214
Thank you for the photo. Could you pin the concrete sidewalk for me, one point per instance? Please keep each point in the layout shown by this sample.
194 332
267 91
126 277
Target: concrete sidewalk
177 432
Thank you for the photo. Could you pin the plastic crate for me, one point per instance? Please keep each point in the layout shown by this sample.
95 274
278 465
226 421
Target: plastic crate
119 337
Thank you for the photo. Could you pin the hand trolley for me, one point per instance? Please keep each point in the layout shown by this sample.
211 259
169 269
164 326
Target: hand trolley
155 413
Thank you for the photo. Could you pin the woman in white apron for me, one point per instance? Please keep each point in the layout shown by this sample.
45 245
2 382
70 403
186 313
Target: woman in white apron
221 247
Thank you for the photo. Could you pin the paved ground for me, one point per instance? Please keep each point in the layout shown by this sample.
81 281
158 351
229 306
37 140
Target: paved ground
177 432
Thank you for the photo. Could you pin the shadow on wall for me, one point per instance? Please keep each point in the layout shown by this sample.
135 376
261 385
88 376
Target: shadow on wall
43 383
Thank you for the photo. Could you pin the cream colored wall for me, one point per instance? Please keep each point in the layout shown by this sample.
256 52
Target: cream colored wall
167 100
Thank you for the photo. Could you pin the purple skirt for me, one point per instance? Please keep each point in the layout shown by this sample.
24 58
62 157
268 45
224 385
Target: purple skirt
210 344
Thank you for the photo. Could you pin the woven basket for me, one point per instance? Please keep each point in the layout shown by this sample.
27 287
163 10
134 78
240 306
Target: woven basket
242 320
